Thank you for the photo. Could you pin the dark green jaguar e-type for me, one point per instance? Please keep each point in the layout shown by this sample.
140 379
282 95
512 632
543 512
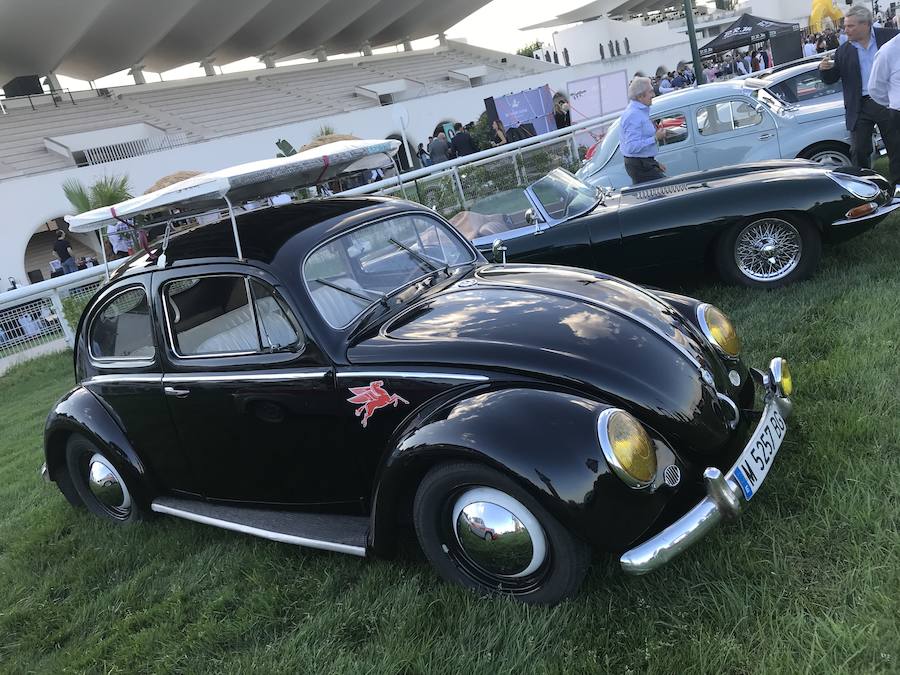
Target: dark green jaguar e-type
759 224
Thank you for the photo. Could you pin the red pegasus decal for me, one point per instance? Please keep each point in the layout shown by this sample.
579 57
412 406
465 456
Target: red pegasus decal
372 398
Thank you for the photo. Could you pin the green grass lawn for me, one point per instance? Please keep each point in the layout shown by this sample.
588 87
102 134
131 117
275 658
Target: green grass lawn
808 581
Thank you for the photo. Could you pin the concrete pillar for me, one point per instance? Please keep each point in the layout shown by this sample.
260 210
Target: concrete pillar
268 59
208 66
366 48
442 38
320 54
407 44
137 72
53 81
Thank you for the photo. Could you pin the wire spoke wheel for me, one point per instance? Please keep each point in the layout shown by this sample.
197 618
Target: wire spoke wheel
768 250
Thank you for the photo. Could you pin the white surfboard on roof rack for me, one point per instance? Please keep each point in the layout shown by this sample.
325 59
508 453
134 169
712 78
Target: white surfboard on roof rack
242 183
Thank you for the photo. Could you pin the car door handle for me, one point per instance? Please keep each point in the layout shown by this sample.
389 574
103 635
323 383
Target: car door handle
765 137
177 393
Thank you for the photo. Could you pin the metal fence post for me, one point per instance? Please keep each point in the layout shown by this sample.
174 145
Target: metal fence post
68 331
459 188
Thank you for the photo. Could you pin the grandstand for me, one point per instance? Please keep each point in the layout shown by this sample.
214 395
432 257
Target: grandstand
207 108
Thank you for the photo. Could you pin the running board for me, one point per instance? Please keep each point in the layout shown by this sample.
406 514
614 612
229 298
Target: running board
343 534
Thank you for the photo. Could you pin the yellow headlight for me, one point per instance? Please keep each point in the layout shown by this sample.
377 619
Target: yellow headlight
719 330
627 447
787 382
781 376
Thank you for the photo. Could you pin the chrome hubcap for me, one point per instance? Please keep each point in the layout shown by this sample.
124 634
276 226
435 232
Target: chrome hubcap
498 534
768 250
830 158
107 485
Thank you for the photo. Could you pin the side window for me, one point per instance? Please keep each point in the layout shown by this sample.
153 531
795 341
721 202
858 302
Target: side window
213 316
121 329
726 116
745 115
675 125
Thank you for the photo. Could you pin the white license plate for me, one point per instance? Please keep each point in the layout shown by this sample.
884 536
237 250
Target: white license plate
753 465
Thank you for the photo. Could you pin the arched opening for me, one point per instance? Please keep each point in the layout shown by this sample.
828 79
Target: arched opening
402 154
41 263
602 54
566 56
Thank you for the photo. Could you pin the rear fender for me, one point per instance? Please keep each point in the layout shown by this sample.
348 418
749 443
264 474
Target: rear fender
546 441
80 412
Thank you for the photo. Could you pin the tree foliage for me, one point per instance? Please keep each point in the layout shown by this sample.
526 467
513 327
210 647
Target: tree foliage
528 50
106 191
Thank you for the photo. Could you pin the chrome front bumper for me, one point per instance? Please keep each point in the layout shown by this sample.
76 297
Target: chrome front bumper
880 212
724 499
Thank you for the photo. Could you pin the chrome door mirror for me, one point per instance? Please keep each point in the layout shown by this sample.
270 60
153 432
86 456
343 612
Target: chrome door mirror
498 250
529 217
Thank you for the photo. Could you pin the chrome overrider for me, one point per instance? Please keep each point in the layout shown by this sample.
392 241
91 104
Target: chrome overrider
724 500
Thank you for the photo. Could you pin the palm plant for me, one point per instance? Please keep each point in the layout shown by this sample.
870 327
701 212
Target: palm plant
106 191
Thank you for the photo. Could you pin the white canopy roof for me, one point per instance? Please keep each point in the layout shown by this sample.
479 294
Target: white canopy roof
245 182
88 39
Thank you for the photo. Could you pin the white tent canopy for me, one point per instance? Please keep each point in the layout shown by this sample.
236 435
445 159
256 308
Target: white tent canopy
246 182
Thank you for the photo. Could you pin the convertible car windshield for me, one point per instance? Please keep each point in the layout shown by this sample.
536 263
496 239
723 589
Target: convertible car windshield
363 266
563 196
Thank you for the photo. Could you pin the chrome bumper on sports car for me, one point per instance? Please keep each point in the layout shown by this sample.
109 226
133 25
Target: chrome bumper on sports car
724 499
880 212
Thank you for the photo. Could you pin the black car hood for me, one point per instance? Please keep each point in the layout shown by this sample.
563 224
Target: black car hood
578 329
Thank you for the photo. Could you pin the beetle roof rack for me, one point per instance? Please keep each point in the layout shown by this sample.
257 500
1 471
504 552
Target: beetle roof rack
242 183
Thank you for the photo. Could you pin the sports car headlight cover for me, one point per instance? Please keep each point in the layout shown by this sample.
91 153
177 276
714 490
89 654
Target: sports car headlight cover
627 447
718 329
858 187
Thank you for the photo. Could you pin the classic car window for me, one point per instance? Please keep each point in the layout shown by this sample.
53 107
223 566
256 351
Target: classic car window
675 125
726 116
276 323
363 266
564 196
804 87
212 315
121 330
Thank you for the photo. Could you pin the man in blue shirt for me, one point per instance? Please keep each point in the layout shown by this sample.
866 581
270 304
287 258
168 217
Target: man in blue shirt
638 135
852 65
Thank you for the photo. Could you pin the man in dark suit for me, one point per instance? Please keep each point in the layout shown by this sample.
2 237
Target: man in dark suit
852 64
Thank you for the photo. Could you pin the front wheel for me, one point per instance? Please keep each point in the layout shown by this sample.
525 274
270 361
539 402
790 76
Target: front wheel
828 154
530 555
769 252
99 484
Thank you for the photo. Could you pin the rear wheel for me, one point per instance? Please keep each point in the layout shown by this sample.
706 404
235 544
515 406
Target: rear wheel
530 555
828 154
770 251
99 484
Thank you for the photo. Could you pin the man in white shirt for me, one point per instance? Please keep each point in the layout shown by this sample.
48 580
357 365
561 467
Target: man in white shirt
884 88
809 48
119 235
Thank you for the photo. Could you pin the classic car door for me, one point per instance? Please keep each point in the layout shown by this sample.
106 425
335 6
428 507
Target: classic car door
676 149
120 358
250 393
734 131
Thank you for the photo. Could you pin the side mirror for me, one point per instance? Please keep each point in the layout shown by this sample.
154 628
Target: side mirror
498 250
529 217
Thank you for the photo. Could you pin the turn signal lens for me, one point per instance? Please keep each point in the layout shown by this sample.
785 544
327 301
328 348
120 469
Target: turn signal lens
627 447
863 210
718 329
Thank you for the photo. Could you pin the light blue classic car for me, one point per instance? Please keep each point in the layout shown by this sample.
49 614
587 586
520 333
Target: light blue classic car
727 123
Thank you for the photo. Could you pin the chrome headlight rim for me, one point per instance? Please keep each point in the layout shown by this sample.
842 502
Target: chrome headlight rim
858 187
702 308
610 456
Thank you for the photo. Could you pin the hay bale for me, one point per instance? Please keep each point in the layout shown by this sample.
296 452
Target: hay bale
324 140
171 179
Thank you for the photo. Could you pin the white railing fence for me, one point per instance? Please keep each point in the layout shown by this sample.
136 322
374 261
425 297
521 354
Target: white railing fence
43 317
142 146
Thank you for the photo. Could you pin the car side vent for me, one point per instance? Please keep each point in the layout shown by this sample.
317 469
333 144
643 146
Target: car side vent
661 191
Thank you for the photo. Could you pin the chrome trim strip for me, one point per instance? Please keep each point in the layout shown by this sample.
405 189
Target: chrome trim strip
242 377
609 308
724 499
153 378
414 375
877 213
256 532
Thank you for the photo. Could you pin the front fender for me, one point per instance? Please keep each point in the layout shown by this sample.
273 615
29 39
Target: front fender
544 440
80 412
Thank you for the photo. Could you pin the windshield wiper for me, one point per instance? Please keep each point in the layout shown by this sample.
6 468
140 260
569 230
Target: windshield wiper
425 260
380 297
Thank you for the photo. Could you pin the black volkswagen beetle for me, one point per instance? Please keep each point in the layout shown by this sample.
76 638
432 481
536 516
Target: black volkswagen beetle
337 372
759 224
